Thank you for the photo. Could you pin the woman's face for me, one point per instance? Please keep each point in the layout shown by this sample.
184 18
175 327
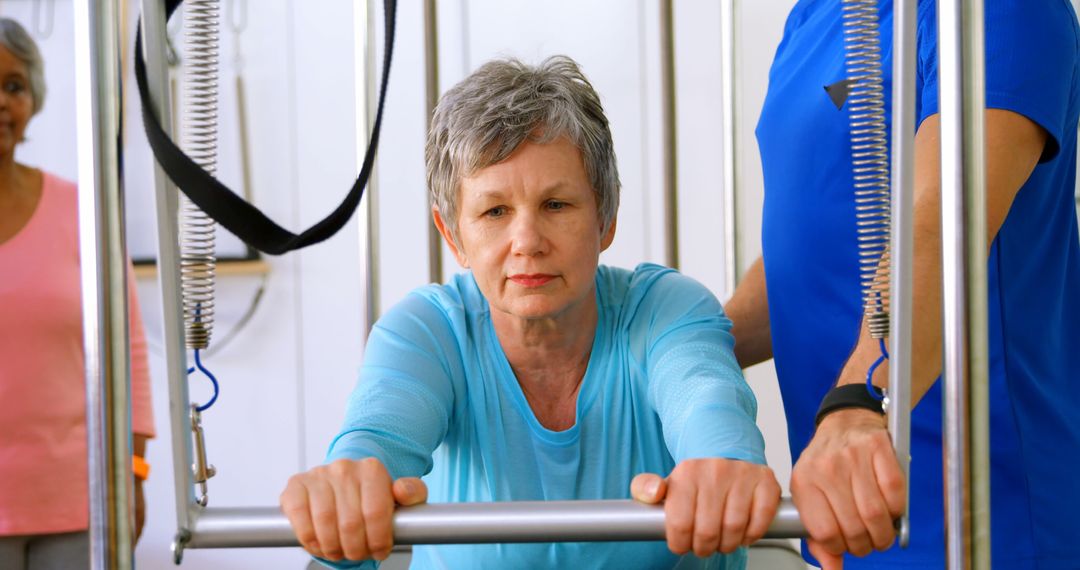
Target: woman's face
16 102
529 229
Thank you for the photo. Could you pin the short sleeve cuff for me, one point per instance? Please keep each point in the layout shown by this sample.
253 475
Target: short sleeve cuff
1008 102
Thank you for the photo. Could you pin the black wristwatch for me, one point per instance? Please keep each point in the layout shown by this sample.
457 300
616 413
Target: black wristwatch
851 396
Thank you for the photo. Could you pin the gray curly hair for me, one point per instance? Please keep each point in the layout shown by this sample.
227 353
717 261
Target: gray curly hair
14 37
483 119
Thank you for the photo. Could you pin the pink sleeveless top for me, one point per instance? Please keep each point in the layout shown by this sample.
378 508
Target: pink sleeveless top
43 471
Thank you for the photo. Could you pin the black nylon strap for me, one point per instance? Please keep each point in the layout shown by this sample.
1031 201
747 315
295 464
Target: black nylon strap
226 207
850 396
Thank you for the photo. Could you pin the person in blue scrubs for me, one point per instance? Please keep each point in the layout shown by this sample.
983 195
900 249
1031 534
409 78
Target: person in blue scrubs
539 375
800 303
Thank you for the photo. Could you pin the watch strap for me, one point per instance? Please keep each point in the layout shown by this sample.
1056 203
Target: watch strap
850 396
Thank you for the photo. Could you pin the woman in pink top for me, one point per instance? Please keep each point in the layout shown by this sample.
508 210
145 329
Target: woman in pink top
43 464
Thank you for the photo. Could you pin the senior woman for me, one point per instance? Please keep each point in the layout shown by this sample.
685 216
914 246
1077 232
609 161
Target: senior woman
43 493
538 374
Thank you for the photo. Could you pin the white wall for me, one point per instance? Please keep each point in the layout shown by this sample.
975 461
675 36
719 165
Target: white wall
284 379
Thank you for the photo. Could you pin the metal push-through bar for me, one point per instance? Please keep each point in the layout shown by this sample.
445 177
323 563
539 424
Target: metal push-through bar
901 245
474 523
167 206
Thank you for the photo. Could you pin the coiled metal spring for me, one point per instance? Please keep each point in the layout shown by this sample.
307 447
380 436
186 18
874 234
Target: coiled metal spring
197 254
870 158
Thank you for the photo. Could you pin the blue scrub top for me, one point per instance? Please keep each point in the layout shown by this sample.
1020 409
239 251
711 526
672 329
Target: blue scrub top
811 267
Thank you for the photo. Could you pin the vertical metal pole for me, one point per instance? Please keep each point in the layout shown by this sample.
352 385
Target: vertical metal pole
963 215
431 84
103 262
905 14
364 30
166 201
728 46
669 139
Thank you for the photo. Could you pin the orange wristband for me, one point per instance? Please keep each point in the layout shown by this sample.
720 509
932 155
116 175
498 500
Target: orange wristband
140 467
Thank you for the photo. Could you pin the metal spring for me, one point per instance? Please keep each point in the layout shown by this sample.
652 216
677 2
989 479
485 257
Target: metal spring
870 158
197 256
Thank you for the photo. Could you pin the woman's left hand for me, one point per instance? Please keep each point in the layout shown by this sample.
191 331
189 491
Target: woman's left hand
712 505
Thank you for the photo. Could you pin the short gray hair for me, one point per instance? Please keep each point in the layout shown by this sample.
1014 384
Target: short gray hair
14 37
483 119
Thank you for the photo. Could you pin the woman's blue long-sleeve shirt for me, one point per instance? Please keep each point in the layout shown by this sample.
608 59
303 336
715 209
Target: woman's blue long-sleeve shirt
437 398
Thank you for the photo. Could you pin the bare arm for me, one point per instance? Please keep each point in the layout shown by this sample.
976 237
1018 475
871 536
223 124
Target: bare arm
847 484
748 310
1013 147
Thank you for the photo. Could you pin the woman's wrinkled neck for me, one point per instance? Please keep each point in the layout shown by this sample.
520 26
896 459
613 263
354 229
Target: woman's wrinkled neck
548 342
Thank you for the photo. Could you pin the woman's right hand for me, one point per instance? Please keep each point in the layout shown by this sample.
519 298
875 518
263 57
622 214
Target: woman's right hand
345 509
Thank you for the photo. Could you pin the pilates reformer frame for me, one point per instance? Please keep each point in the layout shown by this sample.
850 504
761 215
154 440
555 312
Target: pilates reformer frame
102 247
